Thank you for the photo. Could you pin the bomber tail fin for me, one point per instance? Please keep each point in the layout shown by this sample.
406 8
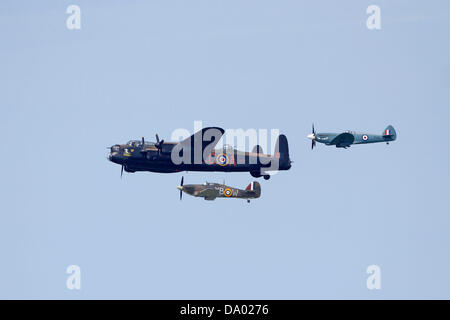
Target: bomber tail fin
389 133
282 150
255 187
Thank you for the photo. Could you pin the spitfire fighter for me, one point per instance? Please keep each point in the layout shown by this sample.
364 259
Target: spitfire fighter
197 153
211 191
347 138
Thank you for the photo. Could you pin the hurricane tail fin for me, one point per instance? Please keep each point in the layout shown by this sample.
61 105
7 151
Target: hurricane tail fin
255 187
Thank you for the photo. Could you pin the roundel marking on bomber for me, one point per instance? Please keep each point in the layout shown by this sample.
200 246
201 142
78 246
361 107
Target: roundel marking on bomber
222 159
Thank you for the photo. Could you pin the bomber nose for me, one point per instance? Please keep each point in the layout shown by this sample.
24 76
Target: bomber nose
180 187
115 157
311 136
114 153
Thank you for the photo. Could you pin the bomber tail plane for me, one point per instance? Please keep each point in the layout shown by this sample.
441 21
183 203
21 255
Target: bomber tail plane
283 149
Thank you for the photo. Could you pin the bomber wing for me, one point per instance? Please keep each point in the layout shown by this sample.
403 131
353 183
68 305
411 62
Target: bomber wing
209 136
343 140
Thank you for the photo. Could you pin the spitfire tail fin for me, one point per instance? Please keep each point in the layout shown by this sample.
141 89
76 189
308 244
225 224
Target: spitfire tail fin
389 133
255 187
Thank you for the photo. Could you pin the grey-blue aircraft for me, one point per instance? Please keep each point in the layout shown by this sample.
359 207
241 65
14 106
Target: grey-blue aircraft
347 138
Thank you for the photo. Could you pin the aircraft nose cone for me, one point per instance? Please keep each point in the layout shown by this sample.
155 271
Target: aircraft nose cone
311 136
115 157
180 187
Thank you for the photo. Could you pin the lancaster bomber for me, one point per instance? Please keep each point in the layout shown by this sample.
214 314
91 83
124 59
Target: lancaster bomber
197 153
211 191
347 138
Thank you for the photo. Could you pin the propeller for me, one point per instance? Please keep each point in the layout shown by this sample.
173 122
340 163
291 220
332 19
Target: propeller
143 148
313 140
121 172
158 143
181 187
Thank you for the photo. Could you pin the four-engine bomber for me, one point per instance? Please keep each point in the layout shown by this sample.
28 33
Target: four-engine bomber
197 153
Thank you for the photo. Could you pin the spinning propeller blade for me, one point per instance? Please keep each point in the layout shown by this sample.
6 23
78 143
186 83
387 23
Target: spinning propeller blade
313 141
181 189
158 143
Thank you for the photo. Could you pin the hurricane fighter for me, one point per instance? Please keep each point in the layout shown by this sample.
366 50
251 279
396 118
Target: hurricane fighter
211 191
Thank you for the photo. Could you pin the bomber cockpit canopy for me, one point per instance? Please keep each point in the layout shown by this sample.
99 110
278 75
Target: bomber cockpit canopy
138 143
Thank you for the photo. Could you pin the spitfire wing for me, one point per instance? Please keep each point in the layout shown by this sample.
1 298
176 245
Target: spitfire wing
344 139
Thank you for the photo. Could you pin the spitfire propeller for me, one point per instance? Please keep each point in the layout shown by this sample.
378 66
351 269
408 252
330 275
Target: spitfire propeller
181 187
312 136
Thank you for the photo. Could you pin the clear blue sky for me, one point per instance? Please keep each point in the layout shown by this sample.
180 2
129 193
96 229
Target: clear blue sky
141 67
